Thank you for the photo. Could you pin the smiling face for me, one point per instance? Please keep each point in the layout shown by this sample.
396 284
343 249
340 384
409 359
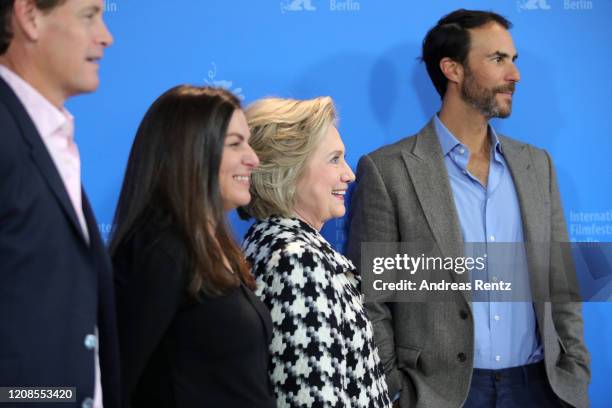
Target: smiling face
70 41
490 75
237 163
320 191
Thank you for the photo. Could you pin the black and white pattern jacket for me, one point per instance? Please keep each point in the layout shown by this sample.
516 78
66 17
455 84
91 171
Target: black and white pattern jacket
322 351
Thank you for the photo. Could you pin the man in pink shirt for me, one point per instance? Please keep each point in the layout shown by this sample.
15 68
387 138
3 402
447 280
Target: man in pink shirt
57 316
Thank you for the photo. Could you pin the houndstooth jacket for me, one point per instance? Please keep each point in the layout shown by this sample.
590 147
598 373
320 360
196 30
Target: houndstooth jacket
322 350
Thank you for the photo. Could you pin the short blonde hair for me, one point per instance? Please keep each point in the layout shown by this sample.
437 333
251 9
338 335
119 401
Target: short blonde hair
284 134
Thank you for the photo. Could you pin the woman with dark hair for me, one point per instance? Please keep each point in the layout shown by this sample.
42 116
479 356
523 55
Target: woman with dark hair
191 331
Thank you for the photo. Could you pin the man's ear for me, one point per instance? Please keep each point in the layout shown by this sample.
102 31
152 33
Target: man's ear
27 19
452 70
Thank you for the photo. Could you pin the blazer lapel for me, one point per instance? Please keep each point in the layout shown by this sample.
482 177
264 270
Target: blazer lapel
49 172
40 155
530 197
430 180
261 310
535 229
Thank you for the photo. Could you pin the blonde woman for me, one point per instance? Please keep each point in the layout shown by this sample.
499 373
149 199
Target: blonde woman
322 350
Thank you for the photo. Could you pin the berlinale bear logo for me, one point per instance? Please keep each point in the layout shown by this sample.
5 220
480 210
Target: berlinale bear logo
297 5
533 5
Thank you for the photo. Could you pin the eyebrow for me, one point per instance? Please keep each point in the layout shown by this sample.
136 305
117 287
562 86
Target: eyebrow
340 152
241 136
94 9
503 55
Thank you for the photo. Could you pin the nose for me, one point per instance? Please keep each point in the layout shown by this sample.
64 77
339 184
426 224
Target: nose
250 158
105 38
514 74
348 176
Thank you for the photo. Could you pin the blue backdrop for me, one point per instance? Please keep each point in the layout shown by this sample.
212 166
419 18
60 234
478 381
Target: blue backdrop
364 53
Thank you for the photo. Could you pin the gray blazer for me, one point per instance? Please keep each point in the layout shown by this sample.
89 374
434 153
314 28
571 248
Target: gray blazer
404 195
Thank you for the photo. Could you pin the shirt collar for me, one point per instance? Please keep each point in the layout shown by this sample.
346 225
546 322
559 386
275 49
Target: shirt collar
46 117
448 141
495 141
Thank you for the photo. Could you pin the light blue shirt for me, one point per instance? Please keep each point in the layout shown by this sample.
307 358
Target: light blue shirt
505 332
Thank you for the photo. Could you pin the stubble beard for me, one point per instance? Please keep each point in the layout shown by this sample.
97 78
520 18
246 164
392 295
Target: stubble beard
483 99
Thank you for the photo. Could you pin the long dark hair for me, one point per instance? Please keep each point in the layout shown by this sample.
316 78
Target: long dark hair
172 179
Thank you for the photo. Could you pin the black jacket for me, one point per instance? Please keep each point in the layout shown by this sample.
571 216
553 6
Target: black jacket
178 352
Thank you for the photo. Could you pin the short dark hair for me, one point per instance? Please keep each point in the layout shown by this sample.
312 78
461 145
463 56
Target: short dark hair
450 38
172 181
6 11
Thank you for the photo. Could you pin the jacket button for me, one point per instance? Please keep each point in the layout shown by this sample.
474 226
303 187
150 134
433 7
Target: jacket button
463 314
87 403
461 357
90 342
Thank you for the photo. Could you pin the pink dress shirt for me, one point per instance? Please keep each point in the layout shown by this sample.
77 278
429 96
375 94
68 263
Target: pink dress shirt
56 129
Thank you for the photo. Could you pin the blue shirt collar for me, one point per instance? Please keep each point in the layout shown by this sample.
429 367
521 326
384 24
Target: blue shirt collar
448 141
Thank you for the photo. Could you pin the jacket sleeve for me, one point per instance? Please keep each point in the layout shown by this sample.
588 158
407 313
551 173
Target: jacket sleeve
567 316
149 292
374 219
307 348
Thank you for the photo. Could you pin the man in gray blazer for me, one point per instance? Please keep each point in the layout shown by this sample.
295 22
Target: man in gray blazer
455 182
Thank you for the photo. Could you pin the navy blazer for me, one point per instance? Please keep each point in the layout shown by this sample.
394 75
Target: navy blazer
55 288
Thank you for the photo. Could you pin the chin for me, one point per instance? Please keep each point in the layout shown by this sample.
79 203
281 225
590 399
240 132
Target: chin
339 212
89 85
243 200
504 113
83 89
234 202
